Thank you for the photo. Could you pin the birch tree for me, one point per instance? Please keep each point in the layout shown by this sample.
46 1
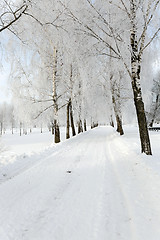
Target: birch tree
127 36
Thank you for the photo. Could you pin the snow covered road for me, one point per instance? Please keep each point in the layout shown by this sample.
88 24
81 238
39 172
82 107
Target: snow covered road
93 187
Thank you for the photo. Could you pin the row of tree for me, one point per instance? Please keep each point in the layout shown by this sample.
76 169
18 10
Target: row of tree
82 59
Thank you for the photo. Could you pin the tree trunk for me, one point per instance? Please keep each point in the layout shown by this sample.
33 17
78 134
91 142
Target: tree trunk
119 125
24 131
118 116
94 125
151 123
56 132
115 94
85 125
52 128
80 128
12 128
142 123
1 128
72 120
55 100
111 122
68 125
20 129
135 72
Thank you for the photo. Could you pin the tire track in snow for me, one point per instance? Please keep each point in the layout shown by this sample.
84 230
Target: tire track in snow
56 200
42 168
8 172
81 203
121 209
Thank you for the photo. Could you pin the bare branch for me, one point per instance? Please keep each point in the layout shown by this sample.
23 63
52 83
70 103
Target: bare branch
63 106
20 12
44 111
90 30
30 15
149 20
154 36
126 10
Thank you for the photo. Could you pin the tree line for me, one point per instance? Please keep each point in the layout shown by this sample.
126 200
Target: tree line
82 60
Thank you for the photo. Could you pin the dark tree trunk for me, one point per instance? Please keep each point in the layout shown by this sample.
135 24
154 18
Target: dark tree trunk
85 125
68 125
52 128
12 128
94 125
72 120
119 125
57 132
20 129
142 122
135 76
80 128
111 122
151 123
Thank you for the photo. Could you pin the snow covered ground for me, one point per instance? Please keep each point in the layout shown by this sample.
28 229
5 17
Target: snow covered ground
95 186
27 144
19 153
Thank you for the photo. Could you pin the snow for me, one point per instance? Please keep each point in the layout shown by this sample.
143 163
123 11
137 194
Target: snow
21 152
32 142
95 186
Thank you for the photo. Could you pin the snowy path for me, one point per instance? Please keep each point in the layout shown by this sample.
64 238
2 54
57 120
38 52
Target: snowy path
108 194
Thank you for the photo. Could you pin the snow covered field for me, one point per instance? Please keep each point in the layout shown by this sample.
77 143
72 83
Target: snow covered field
94 186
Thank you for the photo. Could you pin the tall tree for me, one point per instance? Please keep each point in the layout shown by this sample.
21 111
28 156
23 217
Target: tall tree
129 27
